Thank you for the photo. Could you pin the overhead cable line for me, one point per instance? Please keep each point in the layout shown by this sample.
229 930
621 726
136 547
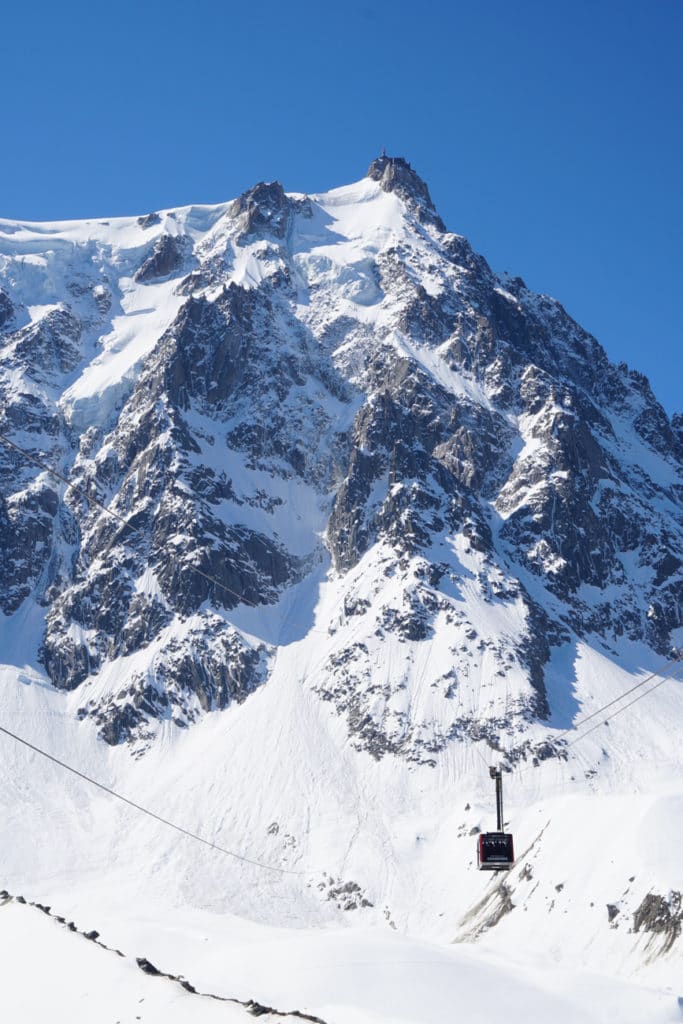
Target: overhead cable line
619 710
667 667
244 600
653 675
146 810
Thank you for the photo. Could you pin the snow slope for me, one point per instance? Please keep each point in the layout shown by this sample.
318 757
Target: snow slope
360 978
403 836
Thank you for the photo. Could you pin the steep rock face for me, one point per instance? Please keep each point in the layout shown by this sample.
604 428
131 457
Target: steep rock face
126 590
6 309
263 210
167 257
395 174
36 359
285 397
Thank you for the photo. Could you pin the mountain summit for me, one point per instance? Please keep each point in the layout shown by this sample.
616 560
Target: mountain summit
395 174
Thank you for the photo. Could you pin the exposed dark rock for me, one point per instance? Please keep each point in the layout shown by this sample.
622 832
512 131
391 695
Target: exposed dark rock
395 174
27 523
661 916
189 676
146 967
204 353
487 912
149 220
677 430
47 348
346 895
264 209
255 1008
168 255
6 309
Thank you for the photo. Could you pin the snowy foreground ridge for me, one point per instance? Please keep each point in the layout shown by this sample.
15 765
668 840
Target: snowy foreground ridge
306 518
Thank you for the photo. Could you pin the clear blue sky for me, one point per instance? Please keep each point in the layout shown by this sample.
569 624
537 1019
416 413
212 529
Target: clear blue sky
549 133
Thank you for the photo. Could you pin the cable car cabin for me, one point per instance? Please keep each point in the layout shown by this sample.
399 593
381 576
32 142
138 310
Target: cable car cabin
495 851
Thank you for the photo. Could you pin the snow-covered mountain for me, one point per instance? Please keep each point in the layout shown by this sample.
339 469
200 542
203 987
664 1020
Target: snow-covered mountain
341 517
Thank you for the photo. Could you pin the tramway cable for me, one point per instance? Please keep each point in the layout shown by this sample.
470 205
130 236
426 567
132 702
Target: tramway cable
146 810
653 675
309 672
618 711
667 667
495 850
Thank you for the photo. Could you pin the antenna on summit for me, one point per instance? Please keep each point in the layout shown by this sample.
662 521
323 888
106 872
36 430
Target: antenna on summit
384 152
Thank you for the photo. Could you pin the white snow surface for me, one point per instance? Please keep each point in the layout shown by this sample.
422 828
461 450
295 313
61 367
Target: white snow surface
275 781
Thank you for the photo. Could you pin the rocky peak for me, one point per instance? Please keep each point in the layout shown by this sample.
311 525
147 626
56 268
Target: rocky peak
166 258
263 208
395 174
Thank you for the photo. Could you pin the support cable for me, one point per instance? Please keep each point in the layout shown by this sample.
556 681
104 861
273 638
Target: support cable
577 728
653 675
146 810
619 710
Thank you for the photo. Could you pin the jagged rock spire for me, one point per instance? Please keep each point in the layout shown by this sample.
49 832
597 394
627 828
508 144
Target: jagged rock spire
395 174
263 208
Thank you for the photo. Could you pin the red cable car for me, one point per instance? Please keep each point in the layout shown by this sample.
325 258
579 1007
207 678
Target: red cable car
495 850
